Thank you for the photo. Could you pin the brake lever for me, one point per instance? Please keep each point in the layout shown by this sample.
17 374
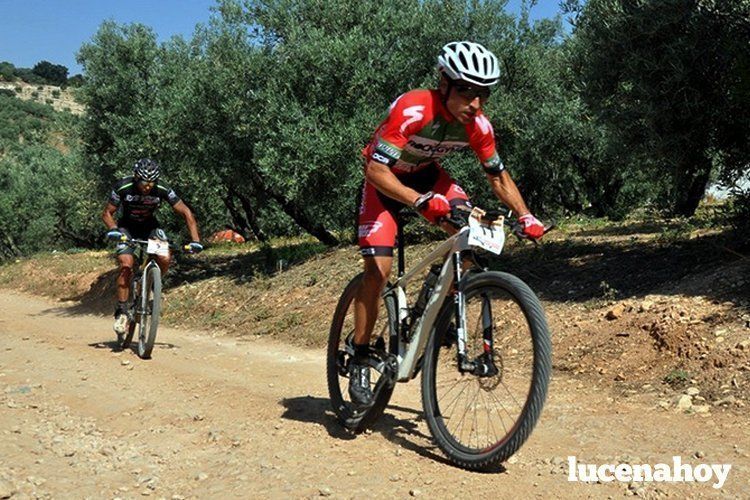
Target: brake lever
517 231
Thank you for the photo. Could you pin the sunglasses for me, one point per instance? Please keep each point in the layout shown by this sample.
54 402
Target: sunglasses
146 183
471 92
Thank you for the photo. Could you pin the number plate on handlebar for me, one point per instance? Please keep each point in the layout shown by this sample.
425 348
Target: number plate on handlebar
489 236
157 247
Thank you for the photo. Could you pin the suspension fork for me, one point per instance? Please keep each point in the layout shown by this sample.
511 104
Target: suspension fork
487 326
142 308
459 310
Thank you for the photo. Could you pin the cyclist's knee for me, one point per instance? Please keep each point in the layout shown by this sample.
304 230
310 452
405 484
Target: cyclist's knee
377 272
126 272
126 265
163 261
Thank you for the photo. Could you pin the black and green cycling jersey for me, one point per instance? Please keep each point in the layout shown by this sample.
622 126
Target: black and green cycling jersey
137 207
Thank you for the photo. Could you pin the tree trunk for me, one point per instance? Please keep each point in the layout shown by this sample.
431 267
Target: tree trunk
252 218
690 187
8 247
295 212
238 220
78 240
300 217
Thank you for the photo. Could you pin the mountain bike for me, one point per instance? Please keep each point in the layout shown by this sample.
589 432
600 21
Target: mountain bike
145 293
479 337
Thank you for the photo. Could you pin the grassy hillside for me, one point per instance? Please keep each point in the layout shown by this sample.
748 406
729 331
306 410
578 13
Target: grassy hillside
59 99
47 195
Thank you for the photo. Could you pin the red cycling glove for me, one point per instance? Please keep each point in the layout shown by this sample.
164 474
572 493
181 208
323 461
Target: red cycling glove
433 206
531 226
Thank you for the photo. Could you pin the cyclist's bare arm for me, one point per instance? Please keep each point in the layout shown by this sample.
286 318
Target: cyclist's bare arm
108 216
384 180
183 210
507 192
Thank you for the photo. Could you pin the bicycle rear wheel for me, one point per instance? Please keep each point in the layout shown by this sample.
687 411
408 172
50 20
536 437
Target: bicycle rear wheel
151 307
479 421
339 356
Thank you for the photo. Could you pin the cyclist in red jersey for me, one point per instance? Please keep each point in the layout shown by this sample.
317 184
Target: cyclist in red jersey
402 169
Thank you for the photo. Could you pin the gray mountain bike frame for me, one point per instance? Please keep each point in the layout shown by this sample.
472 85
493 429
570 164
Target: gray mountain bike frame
451 272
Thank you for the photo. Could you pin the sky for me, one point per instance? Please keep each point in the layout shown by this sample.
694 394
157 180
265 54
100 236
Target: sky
54 30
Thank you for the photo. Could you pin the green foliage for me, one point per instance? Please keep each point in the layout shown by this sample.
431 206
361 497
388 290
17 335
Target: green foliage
259 118
670 79
46 196
54 74
7 71
56 94
28 76
262 115
75 80
677 378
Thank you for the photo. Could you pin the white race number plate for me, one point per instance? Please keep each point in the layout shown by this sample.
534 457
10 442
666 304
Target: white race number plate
491 237
157 247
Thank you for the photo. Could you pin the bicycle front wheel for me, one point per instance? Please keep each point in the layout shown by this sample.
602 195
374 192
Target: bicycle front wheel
151 307
479 419
133 317
339 356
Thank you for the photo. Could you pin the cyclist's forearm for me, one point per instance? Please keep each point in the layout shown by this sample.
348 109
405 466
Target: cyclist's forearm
109 219
507 192
387 183
192 225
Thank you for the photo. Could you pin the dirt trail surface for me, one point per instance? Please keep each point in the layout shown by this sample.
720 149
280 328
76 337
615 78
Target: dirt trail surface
217 417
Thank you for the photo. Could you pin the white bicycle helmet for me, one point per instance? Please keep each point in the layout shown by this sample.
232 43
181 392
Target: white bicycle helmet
470 62
146 169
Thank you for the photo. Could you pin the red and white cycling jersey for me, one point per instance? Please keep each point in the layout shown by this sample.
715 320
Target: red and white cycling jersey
419 131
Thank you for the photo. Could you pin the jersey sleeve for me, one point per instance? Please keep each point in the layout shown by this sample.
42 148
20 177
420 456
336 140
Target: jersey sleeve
406 116
168 194
482 141
115 196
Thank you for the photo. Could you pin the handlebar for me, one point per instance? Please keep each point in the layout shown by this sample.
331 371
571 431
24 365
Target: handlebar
133 242
460 218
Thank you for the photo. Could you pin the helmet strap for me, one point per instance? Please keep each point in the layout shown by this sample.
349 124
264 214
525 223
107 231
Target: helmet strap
447 94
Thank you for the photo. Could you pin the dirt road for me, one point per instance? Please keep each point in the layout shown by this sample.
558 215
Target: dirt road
217 417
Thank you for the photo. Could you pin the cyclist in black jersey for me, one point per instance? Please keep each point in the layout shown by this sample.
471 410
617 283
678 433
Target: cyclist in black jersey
138 197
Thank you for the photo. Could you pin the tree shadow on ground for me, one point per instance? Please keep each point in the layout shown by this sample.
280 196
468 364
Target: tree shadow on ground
582 267
403 432
265 261
571 270
99 299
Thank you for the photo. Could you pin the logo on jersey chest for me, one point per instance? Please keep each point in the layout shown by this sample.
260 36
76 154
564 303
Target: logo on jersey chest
144 199
433 149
